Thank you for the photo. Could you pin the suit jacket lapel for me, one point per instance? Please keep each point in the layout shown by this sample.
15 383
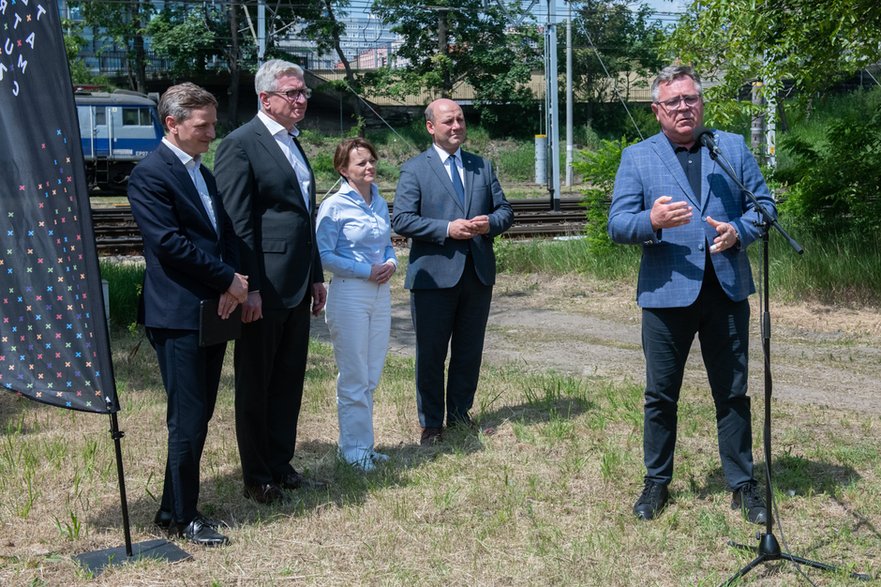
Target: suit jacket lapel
665 152
268 142
187 187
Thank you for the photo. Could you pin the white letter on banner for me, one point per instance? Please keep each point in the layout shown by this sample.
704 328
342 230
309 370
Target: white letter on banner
3 70
3 5
40 11
22 63
17 20
15 88
9 47
30 39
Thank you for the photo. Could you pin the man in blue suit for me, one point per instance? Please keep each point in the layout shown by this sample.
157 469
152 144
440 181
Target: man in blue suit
450 203
694 225
190 252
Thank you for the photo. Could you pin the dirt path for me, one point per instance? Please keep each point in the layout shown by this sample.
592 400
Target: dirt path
819 355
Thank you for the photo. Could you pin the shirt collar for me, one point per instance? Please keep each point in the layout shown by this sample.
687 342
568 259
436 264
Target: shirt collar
274 127
352 193
677 148
189 162
444 155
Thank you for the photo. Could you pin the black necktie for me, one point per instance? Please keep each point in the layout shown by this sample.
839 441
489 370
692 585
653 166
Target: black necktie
457 181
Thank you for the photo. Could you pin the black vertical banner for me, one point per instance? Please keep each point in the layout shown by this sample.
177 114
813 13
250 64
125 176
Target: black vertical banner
54 345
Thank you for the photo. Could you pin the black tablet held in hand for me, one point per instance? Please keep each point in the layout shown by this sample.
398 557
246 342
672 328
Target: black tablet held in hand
213 329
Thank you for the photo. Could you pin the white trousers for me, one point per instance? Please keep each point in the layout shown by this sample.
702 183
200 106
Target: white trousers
358 317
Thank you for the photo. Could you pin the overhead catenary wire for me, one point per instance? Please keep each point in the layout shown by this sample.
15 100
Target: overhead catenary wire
614 84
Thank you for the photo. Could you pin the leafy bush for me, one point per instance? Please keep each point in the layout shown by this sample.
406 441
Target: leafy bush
599 168
835 175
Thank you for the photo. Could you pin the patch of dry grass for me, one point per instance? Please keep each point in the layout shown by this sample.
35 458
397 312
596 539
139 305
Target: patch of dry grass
545 500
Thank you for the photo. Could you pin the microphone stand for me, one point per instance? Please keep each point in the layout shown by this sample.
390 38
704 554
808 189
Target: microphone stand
769 548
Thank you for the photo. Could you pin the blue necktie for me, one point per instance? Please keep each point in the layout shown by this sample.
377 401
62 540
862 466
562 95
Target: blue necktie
457 181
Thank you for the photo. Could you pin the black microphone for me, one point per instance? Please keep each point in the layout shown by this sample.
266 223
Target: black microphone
704 136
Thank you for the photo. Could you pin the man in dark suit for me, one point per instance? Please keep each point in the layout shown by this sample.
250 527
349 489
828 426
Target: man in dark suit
269 191
190 252
694 225
450 203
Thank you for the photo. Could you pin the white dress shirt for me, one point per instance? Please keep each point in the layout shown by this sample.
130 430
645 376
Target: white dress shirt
194 168
286 143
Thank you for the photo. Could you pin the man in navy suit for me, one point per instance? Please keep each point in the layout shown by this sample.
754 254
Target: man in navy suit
189 248
450 203
694 225
268 189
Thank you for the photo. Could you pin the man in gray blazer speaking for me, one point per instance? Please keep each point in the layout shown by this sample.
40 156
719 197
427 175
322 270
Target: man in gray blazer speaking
450 203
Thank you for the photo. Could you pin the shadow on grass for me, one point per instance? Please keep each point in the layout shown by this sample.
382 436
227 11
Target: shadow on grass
539 411
221 496
791 474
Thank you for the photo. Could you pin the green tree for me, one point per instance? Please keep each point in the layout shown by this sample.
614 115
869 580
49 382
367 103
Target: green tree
73 42
835 170
124 23
810 43
468 41
185 36
610 41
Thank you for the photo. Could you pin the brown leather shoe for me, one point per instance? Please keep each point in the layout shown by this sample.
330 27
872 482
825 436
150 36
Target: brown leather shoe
431 436
294 480
265 493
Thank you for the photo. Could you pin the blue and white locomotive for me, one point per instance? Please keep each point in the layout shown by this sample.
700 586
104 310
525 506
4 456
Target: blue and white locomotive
117 130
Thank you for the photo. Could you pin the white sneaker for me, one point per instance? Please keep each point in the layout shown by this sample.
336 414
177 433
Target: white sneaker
378 457
364 465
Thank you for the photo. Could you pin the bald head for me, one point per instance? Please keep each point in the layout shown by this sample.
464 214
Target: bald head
446 124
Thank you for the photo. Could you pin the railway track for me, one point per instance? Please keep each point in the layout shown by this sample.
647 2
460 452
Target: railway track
116 232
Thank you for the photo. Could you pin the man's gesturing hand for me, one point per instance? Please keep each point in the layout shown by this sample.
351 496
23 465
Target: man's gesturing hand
667 215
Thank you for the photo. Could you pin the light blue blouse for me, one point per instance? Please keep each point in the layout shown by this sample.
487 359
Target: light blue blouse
353 235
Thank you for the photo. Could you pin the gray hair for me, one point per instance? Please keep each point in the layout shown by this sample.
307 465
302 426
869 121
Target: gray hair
179 101
269 72
671 72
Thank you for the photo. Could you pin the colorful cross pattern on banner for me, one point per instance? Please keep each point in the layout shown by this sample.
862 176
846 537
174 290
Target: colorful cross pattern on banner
54 346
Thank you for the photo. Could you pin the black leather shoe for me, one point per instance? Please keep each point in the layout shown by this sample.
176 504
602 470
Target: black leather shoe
198 532
651 501
165 520
431 436
265 493
749 501
295 480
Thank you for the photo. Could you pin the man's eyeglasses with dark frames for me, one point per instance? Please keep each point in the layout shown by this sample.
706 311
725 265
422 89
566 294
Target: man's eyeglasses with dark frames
294 95
690 100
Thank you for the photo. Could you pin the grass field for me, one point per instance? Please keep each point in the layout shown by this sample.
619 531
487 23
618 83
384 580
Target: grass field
545 500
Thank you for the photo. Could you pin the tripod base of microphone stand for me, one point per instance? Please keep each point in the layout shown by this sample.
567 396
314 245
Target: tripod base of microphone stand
769 550
95 562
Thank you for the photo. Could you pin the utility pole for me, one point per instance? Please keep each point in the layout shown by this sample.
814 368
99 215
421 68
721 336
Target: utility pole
552 100
569 146
261 32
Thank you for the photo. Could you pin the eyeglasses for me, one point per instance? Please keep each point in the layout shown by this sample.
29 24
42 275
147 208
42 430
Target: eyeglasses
690 100
294 95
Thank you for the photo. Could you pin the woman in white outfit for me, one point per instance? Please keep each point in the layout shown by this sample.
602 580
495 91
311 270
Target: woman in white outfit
354 241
